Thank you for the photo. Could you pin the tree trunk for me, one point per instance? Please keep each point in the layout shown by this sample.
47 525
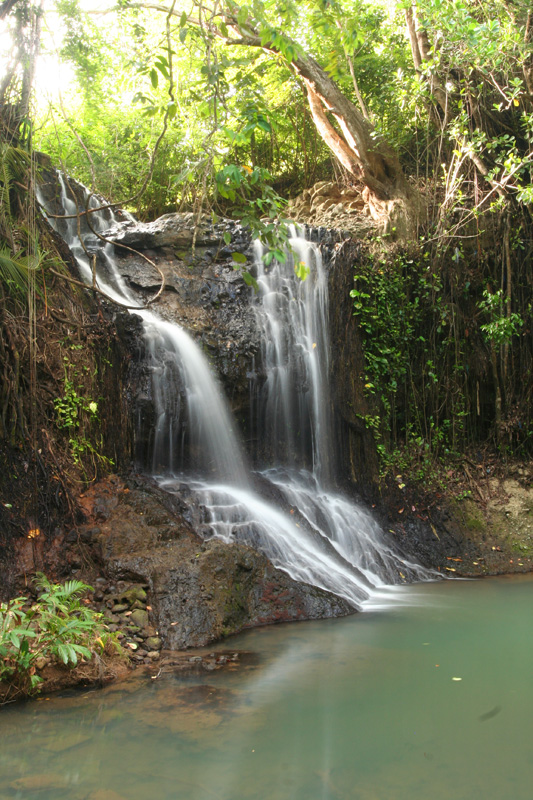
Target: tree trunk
364 154
358 147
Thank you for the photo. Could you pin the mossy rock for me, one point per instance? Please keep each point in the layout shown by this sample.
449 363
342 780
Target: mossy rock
139 617
132 594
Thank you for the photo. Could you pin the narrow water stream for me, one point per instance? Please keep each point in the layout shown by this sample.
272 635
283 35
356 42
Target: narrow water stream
431 699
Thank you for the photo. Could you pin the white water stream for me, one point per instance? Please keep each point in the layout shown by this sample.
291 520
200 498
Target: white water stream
310 531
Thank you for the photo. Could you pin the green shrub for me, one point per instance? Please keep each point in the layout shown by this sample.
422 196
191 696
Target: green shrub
58 627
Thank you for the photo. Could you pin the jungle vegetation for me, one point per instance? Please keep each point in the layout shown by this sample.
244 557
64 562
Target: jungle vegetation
232 108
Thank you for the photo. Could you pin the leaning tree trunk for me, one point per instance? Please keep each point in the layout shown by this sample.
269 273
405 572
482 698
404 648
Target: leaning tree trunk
363 153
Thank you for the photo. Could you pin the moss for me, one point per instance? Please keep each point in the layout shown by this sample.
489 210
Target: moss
474 523
522 549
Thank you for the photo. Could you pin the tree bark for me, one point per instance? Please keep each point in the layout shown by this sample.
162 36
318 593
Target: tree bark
364 154
358 147
6 7
528 64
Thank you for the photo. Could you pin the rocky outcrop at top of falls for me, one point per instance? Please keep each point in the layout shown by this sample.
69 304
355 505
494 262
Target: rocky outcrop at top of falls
205 293
329 205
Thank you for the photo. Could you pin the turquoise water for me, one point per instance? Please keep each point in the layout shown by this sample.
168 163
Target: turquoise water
364 708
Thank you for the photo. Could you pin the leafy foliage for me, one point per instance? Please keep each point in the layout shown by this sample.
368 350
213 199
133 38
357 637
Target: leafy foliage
58 627
501 328
430 337
442 357
75 413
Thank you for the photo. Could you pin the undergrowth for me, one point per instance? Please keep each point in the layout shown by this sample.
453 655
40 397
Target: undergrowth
57 628
447 358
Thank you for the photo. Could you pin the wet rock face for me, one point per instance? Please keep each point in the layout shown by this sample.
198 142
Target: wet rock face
231 587
209 298
197 591
203 293
354 443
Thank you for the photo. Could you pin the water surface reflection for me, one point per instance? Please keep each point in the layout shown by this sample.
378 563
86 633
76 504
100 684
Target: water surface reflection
368 707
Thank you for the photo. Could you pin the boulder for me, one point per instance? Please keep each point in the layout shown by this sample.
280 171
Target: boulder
200 591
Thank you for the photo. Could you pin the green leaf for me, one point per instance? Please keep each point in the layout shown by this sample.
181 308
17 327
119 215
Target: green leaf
227 237
264 124
250 280
242 16
302 270
240 258
162 69
153 78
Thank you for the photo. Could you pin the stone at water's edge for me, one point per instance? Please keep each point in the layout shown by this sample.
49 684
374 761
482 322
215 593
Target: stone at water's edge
199 591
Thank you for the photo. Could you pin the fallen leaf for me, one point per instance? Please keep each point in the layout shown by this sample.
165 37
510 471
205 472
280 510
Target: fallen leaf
457 679
400 510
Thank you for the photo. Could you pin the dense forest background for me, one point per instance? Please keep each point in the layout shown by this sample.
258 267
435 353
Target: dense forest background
424 108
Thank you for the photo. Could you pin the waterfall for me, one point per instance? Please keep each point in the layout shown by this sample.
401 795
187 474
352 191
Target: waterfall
293 318
288 510
176 363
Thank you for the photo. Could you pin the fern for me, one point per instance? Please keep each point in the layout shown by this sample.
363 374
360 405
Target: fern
14 271
14 164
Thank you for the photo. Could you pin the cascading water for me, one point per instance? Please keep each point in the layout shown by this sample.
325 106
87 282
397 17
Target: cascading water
176 363
293 319
311 532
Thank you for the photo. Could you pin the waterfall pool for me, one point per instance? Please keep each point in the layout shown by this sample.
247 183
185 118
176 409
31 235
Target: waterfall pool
432 698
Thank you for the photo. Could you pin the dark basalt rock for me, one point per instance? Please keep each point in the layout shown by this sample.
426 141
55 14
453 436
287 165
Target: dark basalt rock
204 292
206 295
200 590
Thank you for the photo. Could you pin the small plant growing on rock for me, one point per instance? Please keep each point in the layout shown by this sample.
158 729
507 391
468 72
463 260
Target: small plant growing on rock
58 627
